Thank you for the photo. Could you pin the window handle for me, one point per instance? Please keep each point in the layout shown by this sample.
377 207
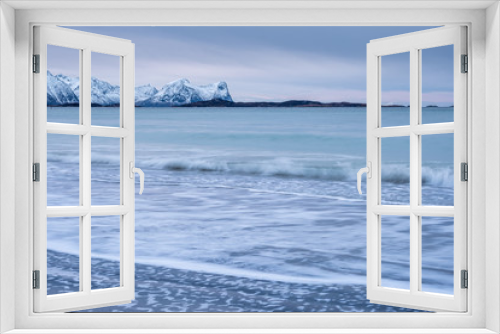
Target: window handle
132 171
368 171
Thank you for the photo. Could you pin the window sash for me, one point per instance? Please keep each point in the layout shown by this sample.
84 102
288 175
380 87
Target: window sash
413 43
87 43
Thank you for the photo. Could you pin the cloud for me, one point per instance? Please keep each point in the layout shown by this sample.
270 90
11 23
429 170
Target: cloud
271 63
440 98
260 72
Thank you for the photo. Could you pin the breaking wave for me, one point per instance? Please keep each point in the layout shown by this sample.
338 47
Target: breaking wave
279 167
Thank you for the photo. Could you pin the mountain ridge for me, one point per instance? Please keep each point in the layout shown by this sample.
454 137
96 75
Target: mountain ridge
64 91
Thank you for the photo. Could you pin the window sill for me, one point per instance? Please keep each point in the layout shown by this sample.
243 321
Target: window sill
251 331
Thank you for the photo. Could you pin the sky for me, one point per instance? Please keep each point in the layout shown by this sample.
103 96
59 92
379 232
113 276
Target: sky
325 64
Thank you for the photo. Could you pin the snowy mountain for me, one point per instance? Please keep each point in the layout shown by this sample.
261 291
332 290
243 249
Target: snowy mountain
64 90
103 93
181 92
59 92
72 82
143 93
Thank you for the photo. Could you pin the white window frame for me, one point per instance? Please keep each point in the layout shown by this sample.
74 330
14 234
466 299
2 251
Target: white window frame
483 149
85 44
414 43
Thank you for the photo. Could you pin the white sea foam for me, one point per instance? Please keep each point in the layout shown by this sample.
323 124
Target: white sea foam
281 167
209 268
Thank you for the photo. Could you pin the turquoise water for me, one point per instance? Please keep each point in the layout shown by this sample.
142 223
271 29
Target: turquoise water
258 195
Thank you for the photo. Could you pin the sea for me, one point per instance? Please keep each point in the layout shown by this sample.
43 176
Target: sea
250 209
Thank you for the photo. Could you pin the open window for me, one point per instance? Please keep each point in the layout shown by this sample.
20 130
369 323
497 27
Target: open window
18 17
64 151
82 139
417 216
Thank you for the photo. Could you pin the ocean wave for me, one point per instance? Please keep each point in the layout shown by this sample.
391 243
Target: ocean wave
397 174
283 167
73 157
441 176
275 167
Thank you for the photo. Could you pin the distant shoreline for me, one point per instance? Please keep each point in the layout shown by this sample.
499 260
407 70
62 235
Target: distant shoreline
288 104
285 104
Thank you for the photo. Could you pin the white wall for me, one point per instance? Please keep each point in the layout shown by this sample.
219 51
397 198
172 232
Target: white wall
7 160
492 166
485 101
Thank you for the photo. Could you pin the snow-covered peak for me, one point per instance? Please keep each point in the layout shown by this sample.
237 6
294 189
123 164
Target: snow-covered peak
178 92
72 82
182 91
103 93
219 91
177 83
59 93
145 92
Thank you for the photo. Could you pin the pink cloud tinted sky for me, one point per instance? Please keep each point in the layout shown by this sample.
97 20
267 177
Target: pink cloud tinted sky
270 63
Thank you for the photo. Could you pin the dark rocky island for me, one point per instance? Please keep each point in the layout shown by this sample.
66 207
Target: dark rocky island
291 103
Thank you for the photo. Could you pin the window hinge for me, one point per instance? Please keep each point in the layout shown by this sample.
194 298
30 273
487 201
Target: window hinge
465 279
36 279
465 64
36 63
36 172
464 171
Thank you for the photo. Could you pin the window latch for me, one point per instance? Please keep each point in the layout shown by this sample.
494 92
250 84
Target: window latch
368 171
132 171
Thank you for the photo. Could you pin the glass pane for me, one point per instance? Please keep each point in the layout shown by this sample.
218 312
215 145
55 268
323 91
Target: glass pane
63 170
105 252
395 89
105 89
105 171
437 254
437 84
63 85
395 252
437 169
395 170
63 259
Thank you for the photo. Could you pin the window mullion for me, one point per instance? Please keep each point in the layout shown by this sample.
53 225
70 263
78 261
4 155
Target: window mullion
81 182
85 179
414 170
